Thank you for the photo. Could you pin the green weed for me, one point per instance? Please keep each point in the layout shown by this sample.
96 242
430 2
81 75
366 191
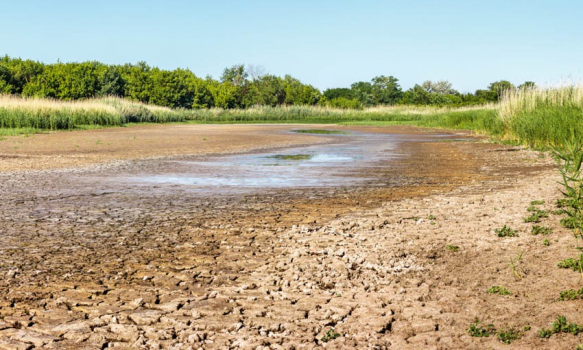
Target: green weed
452 248
507 336
516 267
330 335
506 231
541 230
498 290
536 216
479 331
573 264
571 294
539 202
561 326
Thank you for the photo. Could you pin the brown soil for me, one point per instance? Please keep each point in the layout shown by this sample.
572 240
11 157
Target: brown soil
88 268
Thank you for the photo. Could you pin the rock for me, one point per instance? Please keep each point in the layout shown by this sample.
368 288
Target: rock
82 327
126 333
145 317
9 344
424 326
38 339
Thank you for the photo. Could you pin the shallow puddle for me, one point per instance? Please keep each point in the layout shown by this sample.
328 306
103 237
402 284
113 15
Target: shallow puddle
351 159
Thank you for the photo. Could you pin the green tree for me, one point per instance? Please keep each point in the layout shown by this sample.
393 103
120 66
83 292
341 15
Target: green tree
331 94
501 87
111 82
138 82
527 85
442 87
236 75
386 90
363 91
203 96
5 80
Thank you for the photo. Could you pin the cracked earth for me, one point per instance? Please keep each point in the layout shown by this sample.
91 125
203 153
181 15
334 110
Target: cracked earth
94 264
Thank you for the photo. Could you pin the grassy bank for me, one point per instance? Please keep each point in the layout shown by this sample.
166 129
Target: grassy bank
29 114
543 117
537 117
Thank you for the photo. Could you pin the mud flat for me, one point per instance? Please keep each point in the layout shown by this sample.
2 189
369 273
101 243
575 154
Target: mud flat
138 247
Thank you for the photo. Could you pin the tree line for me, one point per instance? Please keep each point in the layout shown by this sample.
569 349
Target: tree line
239 86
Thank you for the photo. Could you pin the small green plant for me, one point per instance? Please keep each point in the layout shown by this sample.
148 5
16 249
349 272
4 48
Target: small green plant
579 347
330 335
452 248
476 330
507 336
526 328
561 326
571 294
536 215
431 217
506 231
573 264
547 242
562 202
98 142
539 202
498 290
541 230
516 267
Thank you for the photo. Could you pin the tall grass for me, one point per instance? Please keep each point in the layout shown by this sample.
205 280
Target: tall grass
49 114
42 114
543 117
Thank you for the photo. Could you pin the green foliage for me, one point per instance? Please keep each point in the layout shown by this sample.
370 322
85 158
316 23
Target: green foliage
479 331
344 103
571 294
506 231
536 215
573 264
561 326
499 290
507 336
541 230
452 248
330 335
545 333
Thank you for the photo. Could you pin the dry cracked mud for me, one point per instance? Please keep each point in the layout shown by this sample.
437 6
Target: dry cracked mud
94 264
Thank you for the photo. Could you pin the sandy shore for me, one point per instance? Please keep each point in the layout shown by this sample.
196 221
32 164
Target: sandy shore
350 267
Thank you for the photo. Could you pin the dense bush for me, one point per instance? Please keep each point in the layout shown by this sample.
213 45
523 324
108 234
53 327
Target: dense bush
238 87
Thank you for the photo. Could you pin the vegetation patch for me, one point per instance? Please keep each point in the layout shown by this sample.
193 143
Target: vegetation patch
507 336
571 294
480 331
506 231
541 230
452 248
292 156
539 202
561 326
330 335
498 290
536 215
321 132
573 264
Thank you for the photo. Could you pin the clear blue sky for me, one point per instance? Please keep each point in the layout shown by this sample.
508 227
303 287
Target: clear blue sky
328 43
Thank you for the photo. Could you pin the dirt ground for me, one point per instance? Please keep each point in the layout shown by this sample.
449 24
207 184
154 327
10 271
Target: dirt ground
90 267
